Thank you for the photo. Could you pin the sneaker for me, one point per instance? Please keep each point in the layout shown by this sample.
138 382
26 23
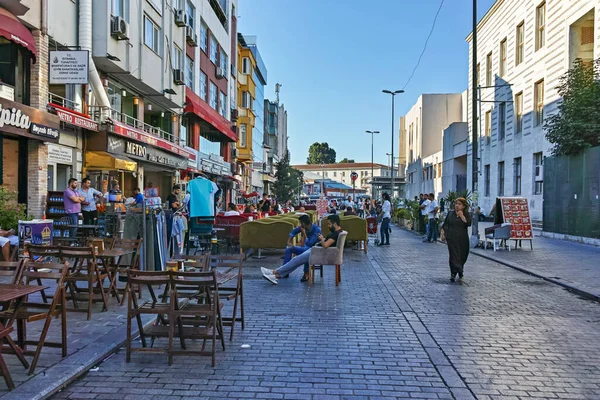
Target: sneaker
270 277
266 271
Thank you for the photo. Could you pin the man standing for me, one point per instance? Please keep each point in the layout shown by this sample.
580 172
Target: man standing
309 237
265 204
385 216
432 210
173 200
138 196
73 201
88 207
424 210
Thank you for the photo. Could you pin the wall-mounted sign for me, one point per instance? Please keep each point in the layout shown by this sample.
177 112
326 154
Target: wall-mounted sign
7 92
18 119
68 67
166 160
135 149
74 118
60 154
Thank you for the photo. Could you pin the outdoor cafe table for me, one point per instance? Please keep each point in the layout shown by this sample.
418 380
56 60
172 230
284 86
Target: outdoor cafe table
8 294
111 259
87 229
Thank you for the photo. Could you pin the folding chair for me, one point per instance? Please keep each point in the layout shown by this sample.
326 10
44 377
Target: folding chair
233 271
11 270
42 254
127 262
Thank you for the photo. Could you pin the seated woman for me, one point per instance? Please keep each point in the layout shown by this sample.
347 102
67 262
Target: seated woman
231 210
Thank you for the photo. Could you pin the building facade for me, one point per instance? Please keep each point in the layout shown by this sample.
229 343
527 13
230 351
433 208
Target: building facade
342 173
524 46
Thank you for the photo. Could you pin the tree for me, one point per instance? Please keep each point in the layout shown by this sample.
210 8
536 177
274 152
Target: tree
288 180
320 153
576 126
345 160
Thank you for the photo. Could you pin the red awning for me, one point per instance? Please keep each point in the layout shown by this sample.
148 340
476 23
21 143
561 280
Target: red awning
200 108
12 29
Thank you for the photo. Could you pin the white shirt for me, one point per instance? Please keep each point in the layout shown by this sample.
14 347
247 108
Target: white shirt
430 209
425 209
386 208
230 213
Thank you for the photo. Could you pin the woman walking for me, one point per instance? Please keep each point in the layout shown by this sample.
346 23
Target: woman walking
454 232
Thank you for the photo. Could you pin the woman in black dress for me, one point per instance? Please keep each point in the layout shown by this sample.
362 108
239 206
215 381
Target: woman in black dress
454 231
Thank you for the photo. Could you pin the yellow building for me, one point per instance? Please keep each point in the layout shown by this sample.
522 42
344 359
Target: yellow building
246 94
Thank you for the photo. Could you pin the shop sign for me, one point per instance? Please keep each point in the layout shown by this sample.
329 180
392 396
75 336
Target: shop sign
141 136
73 118
7 92
135 149
60 154
68 67
159 159
115 145
22 120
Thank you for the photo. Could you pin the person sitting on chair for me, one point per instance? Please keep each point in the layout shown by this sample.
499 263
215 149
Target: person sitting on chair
333 221
7 239
310 236
231 210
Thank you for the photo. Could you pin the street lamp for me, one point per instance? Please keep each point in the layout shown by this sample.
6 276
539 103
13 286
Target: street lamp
372 176
393 94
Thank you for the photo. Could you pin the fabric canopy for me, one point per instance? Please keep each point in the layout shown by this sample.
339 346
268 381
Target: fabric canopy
102 160
253 194
12 29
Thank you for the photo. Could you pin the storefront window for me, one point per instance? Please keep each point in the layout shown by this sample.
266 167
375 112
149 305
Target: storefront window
15 69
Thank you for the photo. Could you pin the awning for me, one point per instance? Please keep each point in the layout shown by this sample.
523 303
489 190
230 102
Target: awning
12 29
102 160
200 108
268 178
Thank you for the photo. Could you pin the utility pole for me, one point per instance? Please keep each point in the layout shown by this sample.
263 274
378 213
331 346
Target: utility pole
393 94
474 133
372 175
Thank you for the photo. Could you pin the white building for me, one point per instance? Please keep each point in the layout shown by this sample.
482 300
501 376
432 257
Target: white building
523 47
421 141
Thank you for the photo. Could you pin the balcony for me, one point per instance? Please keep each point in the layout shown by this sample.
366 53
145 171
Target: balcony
66 103
102 114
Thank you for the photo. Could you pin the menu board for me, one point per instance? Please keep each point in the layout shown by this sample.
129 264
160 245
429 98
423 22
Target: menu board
321 207
515 210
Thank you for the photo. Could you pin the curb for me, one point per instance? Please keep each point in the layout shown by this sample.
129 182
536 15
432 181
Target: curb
52 380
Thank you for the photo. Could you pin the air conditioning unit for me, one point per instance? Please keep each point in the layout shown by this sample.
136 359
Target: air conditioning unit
178 77
180 18
191 36
234 114
539 173
220 73
119 28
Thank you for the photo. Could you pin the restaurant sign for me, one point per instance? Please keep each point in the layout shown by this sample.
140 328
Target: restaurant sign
74 118
144 137
22 120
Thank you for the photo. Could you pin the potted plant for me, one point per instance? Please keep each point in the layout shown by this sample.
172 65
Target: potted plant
10 210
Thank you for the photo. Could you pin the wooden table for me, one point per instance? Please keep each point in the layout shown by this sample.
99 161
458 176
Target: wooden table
14 295
111 259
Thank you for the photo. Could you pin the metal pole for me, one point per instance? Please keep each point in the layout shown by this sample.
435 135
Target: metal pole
475 138
393 97
372 174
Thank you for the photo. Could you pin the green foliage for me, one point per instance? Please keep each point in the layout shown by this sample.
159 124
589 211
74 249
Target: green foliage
453 195
320 153
10 211
345 160
288 180
576 126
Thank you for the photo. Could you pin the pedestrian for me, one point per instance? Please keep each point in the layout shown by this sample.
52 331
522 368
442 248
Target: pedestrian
423 205
432 210
174 199
73 200
88 206
455 233
138 197
385 216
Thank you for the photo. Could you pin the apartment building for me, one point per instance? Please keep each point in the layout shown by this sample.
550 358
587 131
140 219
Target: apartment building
342 173
421 142
275 140
524 46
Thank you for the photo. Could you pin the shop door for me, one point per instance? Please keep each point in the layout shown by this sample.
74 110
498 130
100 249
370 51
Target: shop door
51 180
63 174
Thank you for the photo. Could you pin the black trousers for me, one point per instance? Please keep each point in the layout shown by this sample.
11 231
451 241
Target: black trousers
385 230
90 217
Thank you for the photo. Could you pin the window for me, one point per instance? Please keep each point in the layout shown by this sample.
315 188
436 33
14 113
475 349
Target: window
119 8
501 120
190 12
189 72
478 70
246 100
334 174
488 70
517 175
538 160
242 135
540 26
204 37
223 62
501 178
520 43
214 49
151 34
183 136
223 104
488 124
245 65
503 54
177 57
486 178
203 85
519 112
538 93
213 95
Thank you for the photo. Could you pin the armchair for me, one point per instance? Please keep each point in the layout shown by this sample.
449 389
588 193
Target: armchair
320 256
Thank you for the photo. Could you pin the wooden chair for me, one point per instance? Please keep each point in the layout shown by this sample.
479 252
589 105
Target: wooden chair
197 320
229 268
127 262
43 254
84 268
35 311
320 256
5 334
201 262
11 270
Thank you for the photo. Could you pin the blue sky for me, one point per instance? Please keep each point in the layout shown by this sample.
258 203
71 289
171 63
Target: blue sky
333 58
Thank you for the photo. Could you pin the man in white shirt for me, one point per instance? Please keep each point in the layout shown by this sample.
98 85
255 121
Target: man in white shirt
424 211
231 210
432 210
385 216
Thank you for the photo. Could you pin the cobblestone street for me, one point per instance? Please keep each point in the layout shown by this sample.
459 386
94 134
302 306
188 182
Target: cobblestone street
395 328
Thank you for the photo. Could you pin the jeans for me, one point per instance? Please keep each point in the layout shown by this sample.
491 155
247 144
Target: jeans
385 230
294 263
295 250
73 220
432 230
426 223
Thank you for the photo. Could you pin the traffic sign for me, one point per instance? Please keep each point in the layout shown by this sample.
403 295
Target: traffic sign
354 176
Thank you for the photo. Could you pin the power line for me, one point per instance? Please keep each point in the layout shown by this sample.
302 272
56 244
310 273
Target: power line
425 47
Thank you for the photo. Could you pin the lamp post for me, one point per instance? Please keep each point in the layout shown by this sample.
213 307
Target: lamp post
322 181
393 94
372 176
